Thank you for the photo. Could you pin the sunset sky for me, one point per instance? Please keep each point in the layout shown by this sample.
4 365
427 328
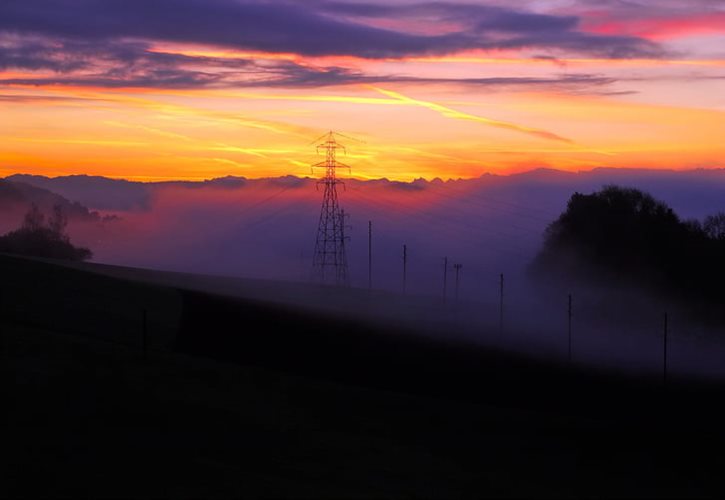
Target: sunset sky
194 89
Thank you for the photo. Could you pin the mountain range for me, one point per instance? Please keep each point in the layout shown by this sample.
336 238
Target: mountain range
693 193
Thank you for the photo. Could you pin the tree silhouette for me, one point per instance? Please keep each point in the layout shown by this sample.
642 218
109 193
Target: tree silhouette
38 239
34 219
714 226
58 223
624 236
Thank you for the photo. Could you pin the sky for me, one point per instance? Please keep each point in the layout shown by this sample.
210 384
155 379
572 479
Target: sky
196 89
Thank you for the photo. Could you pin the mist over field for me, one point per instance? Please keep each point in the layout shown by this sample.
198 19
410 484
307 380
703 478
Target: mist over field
266 228
491 225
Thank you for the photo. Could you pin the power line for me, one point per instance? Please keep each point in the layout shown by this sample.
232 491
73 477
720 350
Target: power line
446 223
405 208
470 198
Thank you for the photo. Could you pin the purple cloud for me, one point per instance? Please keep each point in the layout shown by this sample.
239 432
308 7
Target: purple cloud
312 29
108 42
115 64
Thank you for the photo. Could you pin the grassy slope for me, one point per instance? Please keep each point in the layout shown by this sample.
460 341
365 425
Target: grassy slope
312 406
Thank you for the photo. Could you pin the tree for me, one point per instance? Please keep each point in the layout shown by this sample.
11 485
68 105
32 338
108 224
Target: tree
714 226
38 239
34 219
624 236
58 223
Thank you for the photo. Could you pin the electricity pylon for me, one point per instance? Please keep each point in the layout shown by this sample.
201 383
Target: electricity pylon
329 264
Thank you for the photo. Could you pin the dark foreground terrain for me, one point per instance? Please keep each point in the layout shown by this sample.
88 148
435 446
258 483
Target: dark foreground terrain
118 388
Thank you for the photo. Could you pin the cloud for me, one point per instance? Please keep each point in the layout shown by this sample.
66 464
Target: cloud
269 27
25 98
495 27
312 28
108 64
294 75
670 18
583 84
126 64
480 17
115 44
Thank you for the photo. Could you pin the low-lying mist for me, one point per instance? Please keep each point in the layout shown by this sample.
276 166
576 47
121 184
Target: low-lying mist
491 226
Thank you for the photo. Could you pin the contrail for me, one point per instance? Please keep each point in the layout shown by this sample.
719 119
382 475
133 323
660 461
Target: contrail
458 115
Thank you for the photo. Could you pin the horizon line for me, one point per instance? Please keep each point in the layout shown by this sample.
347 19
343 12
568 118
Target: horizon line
160 180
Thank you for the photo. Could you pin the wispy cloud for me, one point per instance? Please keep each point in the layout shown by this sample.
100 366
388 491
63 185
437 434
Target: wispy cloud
126 65
151 130
82 142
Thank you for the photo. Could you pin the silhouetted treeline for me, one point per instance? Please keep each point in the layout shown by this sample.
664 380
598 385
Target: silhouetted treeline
621 236
38 237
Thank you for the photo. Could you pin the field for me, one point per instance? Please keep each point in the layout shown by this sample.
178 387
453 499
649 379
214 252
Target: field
118 385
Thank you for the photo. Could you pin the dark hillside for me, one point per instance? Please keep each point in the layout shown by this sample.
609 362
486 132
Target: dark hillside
235 397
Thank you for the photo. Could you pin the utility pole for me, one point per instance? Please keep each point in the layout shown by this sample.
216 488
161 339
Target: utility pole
343 228
370 255
302 265
144 331
405 269
569 328
329 263
458 268
500 305
664 353
445 278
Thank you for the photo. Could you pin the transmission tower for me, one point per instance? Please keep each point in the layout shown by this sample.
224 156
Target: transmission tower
329 264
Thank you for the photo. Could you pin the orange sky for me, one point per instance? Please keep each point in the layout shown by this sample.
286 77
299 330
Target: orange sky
456 115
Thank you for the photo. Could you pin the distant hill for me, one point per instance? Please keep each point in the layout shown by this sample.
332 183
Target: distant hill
100 193
18 196
228 182
693 193
103 193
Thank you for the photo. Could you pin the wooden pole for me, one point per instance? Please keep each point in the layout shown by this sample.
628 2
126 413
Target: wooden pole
500 305
457 267
144 332
405 269
569 328
664 350
370 255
